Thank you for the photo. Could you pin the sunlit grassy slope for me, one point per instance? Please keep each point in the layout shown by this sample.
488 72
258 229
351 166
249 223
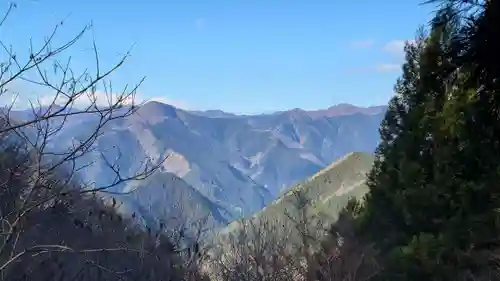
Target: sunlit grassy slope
321 197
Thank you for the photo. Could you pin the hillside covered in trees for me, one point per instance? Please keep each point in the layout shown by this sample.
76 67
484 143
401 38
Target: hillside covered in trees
432 210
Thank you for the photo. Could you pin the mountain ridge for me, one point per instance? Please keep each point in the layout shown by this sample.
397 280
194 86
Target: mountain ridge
321 196
334 110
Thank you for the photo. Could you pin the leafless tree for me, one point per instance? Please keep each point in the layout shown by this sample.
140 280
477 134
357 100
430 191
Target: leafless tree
37 176
295 249
343 256
78 236
254 252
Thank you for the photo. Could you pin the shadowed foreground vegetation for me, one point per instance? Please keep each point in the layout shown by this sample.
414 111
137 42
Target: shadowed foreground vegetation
74 236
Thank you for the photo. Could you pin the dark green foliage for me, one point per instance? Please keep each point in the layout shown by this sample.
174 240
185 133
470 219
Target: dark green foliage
432 210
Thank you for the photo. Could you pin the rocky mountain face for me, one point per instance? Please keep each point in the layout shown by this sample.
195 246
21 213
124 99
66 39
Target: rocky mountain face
221 164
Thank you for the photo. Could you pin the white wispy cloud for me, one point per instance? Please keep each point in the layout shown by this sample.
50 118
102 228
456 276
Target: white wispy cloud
99 98
388 67
397 55
396 47
10 100
175 103
382 67
357 69
103 99
362 44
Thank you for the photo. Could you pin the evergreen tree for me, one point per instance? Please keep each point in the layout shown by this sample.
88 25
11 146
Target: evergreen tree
432 210
408 199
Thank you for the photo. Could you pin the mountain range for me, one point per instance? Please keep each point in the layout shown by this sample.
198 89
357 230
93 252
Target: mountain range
219 166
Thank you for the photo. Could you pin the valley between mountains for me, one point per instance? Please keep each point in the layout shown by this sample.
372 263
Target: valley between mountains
219 167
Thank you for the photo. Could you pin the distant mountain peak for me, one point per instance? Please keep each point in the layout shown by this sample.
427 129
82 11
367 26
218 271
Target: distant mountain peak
158 104
214 113
347 109
343 104
296 113
155 108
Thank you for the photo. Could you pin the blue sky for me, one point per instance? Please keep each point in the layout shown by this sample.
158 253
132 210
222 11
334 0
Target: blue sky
243 56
